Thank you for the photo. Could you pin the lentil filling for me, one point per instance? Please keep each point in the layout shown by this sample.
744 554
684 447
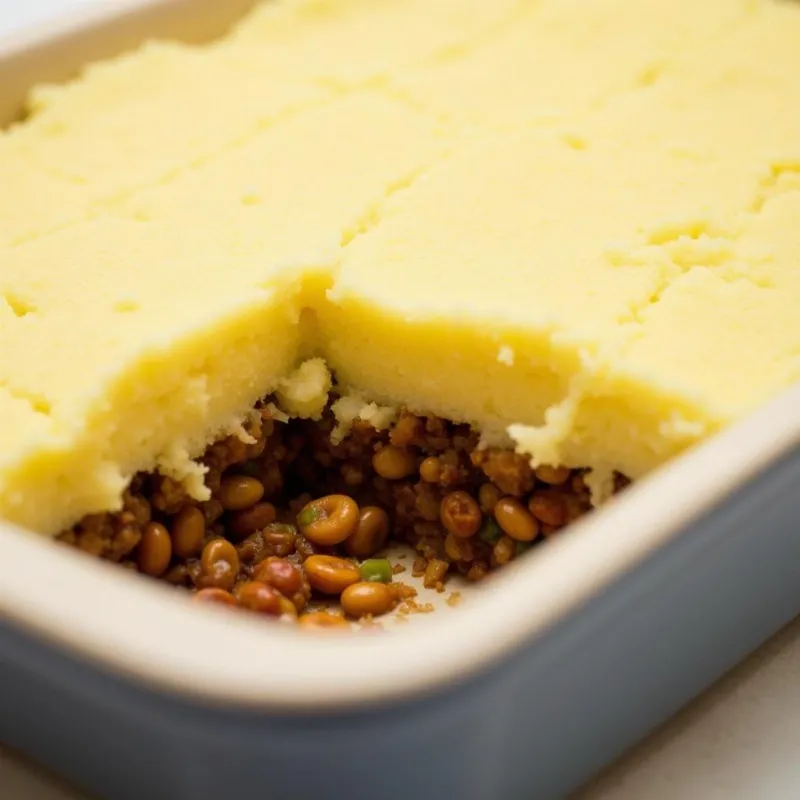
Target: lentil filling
297 517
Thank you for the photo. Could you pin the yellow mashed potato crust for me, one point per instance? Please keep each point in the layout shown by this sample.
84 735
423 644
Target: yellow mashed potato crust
574 224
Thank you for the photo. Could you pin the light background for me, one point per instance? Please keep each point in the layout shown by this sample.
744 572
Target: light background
739 741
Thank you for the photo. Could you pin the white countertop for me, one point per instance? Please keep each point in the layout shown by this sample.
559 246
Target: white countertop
740 740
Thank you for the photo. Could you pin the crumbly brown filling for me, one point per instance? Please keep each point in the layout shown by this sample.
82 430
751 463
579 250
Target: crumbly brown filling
295 516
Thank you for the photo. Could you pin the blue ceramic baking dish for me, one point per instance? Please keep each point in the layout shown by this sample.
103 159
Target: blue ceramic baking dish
538 680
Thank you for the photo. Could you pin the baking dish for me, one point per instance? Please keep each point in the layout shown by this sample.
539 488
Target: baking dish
541 678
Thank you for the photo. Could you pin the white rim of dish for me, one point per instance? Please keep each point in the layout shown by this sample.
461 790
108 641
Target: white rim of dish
145 632
64 24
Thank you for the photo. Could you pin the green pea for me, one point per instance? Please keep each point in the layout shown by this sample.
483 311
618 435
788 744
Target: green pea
490 531
378 570
309 515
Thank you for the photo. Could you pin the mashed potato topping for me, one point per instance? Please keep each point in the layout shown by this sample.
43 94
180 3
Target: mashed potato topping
574 225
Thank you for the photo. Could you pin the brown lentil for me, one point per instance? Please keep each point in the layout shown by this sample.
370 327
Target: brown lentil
367 598
393 463
280 539
406 431
488 495
238 492
219 565
257 596
460 514
549 507
322 619
214 596
188 532
370 534
281 574
554 476
250 520
430 470
330 574
155 550
288 610
516 520
329 520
